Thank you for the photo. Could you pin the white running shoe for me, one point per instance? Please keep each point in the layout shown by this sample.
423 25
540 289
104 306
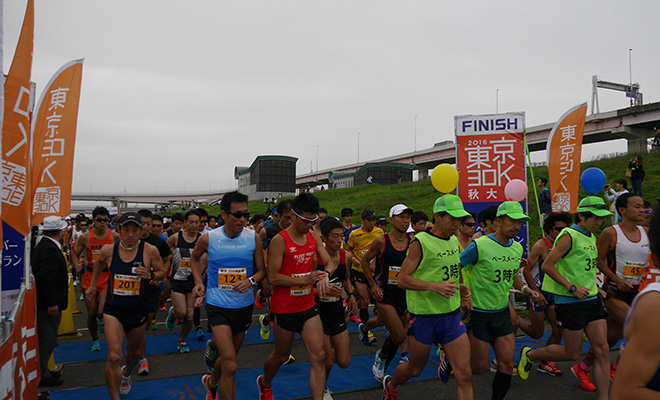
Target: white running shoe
125 385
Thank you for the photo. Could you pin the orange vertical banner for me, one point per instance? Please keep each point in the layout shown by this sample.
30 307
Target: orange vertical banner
564 156
16 131
53 142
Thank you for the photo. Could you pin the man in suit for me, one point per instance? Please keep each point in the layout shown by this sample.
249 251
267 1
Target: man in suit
52 282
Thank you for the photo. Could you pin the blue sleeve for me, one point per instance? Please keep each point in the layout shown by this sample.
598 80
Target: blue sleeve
470 255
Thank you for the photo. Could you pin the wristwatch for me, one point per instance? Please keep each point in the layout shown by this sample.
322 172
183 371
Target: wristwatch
252 280
153 276
573 289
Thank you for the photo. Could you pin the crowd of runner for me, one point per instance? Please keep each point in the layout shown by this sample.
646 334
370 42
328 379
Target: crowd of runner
441 284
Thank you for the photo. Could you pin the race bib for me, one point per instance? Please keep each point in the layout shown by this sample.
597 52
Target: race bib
184 263
95 255
633 272
228 276
393 275
300 290
126 285
331 299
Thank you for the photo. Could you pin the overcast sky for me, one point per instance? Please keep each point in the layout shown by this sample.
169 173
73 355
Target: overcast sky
176 94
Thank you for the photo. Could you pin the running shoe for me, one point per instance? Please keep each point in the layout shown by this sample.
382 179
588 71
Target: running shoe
364 338
259 300
210 393
386 333
163 308
82 297
96 345
405 358
612 372
210 355
372 338
76 283
347 312
584 378
444 370
101 325
549 368
327 394
291 360
354 319
441 352
494 367
524 364
169 322
264 392
183 347
378 368
199 334
388 393
264 331
154 325
126 384
144 367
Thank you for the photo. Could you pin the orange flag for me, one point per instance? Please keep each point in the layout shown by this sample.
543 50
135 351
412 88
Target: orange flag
54 139
564 155
16 131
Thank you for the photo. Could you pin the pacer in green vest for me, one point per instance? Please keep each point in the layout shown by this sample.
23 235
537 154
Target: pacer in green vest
494 261
430 274
570 271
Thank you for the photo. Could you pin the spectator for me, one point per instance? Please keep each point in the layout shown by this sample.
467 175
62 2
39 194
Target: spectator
545 201
611 195
52 282
637 174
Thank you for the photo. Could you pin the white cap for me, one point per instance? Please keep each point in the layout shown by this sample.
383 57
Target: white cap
400 208
53 223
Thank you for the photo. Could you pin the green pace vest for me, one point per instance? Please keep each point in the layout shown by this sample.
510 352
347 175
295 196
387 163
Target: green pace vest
493 274
440 262
578 266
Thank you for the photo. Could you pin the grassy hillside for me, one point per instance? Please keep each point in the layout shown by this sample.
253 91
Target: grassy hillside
421 195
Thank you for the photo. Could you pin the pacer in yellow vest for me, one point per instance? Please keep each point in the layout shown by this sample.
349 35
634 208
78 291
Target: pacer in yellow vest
494 261
430 274
570 272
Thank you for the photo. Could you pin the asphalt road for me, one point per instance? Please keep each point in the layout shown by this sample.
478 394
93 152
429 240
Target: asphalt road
539 386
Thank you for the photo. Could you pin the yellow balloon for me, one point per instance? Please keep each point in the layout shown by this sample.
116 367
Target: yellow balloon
444 178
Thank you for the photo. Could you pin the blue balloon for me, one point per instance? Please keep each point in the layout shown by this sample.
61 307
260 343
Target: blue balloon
593 180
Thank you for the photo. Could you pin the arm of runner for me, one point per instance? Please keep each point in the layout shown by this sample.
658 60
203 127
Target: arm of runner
201 247
641 358
153 264
539 252
560 249
605 244
348 286
406 280
78 248
171 241
115 237
375 250
524 289
104 256
323 284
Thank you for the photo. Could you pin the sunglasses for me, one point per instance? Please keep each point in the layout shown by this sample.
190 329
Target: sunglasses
558 228
240 214
312 220
469 224
156 225
102 219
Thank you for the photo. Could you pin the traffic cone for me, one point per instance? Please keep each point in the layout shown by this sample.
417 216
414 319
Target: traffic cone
52 367
66 328
73 305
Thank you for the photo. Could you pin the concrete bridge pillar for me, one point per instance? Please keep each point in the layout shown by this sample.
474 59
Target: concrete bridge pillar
637 138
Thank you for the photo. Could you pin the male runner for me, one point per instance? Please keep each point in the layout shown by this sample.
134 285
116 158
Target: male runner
133 263
430 275
418 222
235 263
176 224
466 231
494 261
182 243
623 251
154 288
91 243
389 251
157 226
638 374
533 274
570 270
292 275
331 309
346 216
358 243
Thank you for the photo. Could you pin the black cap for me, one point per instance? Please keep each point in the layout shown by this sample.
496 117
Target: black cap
130 217
381 219
368 214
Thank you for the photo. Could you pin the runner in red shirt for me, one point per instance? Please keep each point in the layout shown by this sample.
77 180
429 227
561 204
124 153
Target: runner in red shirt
291 273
